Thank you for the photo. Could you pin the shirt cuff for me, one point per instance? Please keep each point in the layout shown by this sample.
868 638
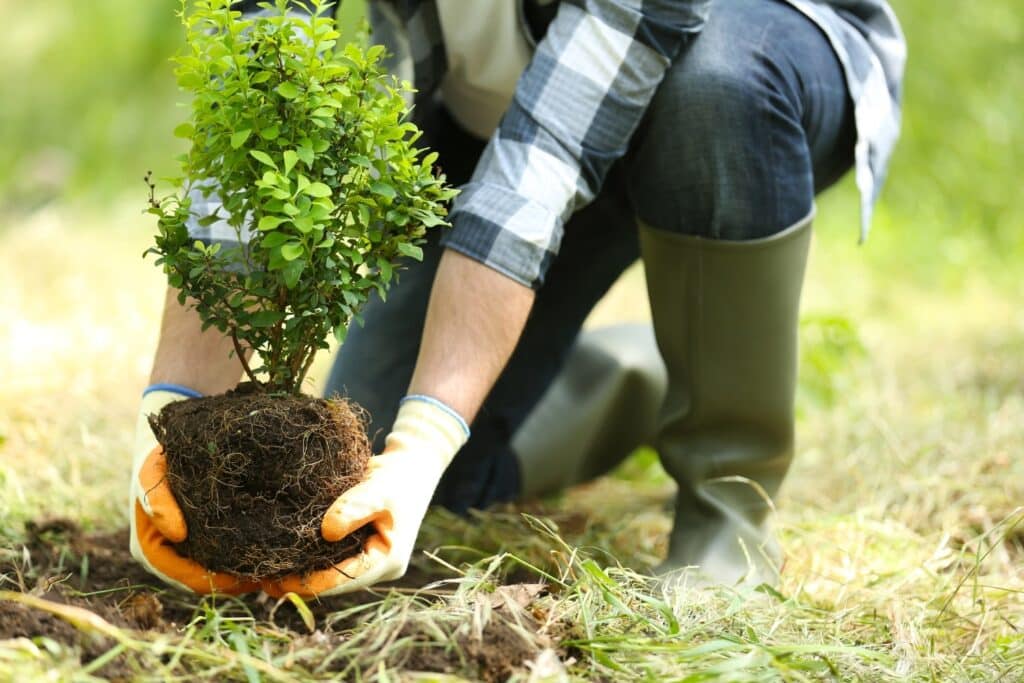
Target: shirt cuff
505 231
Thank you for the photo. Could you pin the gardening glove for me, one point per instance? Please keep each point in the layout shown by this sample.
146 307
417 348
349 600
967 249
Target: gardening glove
156 520
392 499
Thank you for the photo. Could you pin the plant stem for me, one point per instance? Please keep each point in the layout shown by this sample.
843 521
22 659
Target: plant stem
241 357
305 368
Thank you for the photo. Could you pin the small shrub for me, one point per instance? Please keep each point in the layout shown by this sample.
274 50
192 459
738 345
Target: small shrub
310 153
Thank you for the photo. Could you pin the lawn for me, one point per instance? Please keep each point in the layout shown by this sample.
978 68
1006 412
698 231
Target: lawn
901 519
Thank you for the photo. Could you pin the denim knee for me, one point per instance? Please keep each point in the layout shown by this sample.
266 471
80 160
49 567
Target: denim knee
722 152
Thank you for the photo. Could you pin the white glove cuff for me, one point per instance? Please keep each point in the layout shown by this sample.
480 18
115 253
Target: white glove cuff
432 424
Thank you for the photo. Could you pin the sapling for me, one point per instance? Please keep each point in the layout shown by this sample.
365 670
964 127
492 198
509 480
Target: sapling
307 149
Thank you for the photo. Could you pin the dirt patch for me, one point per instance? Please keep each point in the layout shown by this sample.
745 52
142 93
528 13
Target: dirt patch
96 571
254 475
64 566
501 650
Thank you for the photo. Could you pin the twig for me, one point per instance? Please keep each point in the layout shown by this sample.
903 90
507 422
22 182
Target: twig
241 357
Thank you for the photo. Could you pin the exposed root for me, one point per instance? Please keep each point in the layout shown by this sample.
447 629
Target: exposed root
254 475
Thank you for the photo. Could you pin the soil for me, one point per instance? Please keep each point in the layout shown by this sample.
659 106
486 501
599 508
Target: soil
496 655
254 474
65 566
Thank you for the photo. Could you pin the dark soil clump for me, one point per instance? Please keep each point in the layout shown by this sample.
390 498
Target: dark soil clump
255 473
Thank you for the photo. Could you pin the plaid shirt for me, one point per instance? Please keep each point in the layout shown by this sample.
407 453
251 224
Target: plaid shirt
583 94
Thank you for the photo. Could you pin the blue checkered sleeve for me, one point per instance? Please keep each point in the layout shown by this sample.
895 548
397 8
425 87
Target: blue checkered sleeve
575 108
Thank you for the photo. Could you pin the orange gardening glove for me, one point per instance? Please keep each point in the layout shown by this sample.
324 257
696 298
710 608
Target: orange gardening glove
156 520
392 499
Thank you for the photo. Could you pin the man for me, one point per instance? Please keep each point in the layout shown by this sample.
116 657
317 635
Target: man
693 134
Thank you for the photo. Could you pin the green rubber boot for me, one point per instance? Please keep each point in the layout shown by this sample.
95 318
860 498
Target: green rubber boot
725 316
602 405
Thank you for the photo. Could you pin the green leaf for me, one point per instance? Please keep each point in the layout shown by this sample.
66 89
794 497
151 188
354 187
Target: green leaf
291 251
290 159
383 189
292 272
265 318
184 130
305 153
428 218
288 90
270 222
411 250
274 239
263 158
270 132
318 190
304 224
239 137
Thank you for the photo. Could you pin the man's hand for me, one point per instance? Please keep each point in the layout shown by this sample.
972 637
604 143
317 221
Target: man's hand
392 499
156 520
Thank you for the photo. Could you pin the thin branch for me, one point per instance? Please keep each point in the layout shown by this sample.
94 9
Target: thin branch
241 357
305 369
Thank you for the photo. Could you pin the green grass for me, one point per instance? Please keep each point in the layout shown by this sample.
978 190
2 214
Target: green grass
901 518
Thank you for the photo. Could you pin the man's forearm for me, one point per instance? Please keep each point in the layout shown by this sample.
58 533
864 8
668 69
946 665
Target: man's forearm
187 355
473 323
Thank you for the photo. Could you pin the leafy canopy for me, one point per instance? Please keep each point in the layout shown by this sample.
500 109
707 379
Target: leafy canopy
308 150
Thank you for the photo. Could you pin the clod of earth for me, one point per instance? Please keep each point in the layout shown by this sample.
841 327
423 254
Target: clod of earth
254 474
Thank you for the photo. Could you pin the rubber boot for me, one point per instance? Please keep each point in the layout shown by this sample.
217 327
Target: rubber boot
602 406
725 316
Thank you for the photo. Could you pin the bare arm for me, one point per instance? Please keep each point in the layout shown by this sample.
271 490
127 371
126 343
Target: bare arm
187 356
474 320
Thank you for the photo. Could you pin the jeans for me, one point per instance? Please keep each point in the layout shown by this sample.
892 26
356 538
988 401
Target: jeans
749 124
